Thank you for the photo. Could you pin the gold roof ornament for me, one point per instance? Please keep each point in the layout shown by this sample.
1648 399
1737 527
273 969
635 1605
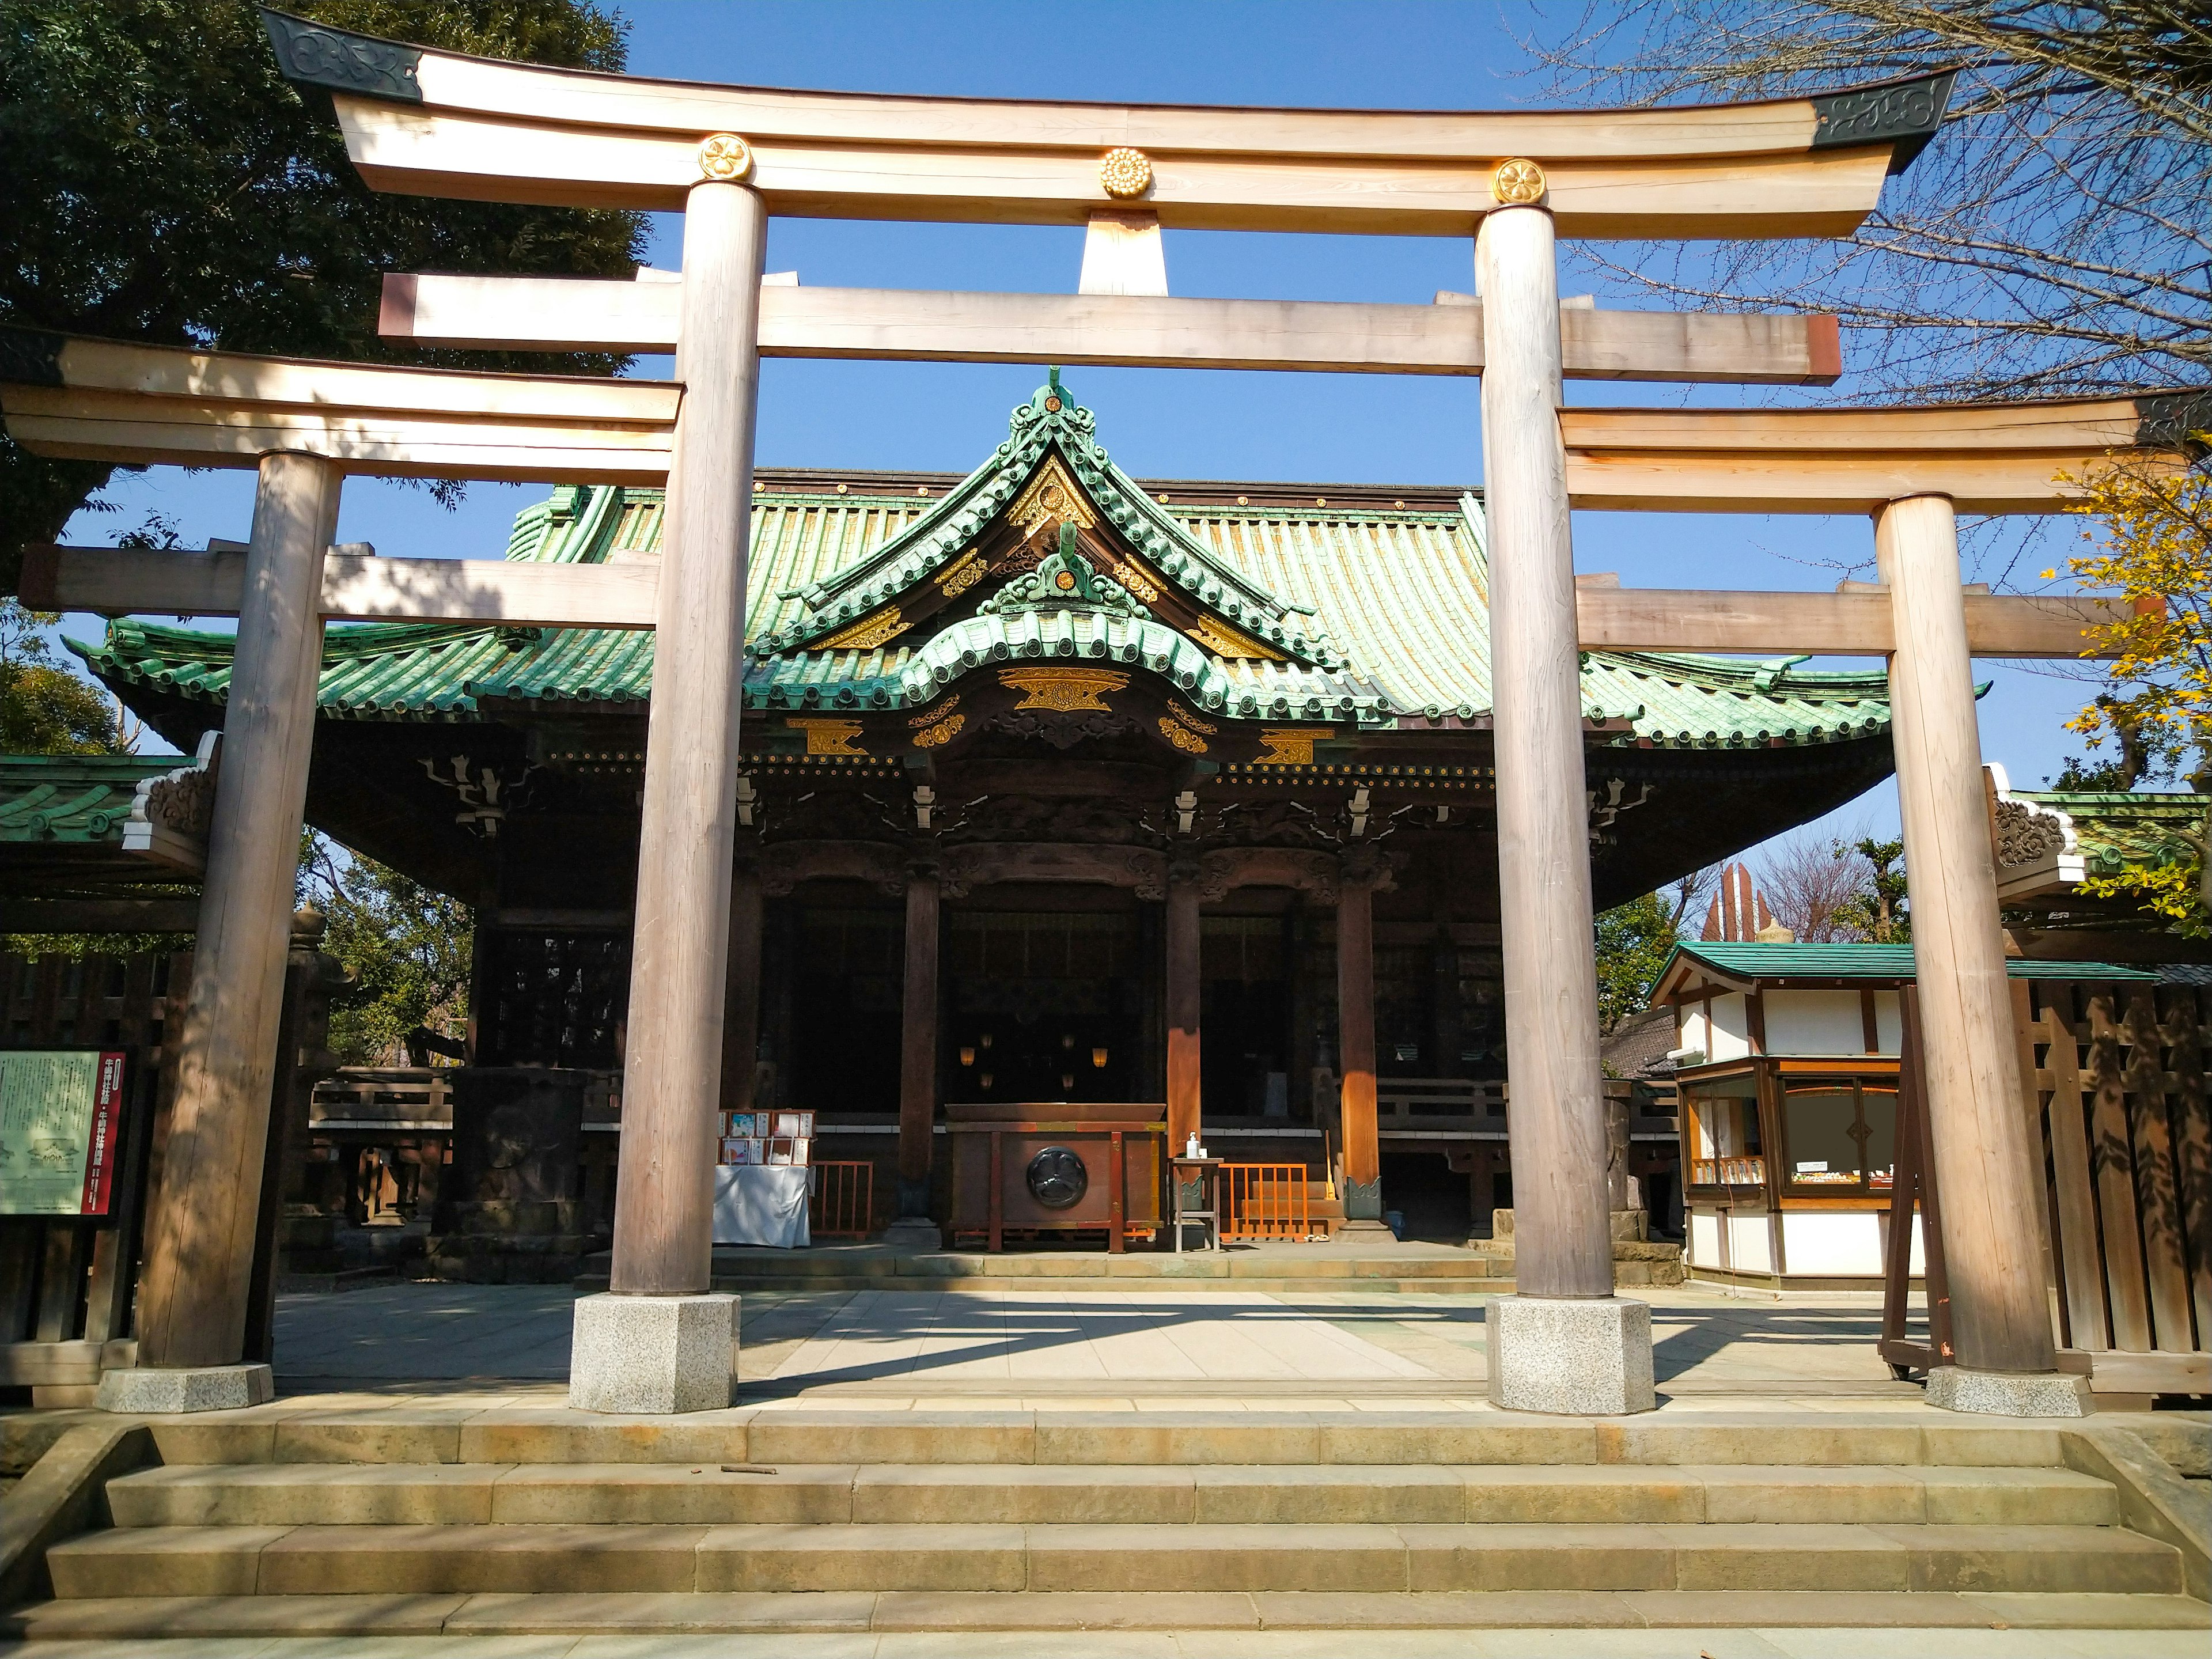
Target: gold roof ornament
726 157
1518 183
1126 173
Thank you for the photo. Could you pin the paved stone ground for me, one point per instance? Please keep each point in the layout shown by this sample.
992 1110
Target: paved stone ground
1857 1642
456 1338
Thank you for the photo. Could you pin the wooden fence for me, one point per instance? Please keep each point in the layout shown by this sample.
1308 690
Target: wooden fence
67 1282
1266 1200
841 1199
2114 1075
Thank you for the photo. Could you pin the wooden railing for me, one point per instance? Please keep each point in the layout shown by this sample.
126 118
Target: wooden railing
1266 1200
841 1199
1438 1097
412 1096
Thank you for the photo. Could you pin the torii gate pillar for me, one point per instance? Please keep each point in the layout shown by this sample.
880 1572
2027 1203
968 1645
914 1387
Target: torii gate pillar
1565 1343
657 1341
1985 1168
200 1235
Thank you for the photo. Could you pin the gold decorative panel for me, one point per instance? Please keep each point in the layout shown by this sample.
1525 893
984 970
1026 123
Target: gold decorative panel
1062 689
1224 640
826 736
1052 498
867 633
937 736
961 575
1290 745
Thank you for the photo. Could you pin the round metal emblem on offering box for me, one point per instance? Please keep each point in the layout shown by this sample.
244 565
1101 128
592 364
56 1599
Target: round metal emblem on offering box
1057 1178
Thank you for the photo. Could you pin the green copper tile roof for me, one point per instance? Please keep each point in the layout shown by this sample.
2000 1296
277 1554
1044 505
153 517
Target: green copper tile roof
2115 830
1384 611
1868 961
83 799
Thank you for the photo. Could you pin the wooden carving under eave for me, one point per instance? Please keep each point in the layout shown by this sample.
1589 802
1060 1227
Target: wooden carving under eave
1051 498
828 737
1224 640
868 633
1063 689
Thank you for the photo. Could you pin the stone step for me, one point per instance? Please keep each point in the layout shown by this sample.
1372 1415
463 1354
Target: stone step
601 1559
692 1613
805 1434
413 1494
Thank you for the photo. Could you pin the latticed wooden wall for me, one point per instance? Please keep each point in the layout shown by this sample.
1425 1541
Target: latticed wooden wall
65 1282
2119 1090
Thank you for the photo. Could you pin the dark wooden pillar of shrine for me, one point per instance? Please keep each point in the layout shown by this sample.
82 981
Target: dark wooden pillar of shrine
1355 1041
741 991
918 1049
1184 999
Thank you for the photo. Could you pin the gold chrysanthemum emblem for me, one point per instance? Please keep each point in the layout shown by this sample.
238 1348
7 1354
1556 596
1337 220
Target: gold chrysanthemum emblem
726 156
1518 182
1125 172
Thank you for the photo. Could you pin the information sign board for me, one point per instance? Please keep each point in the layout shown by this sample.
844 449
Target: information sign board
60 1112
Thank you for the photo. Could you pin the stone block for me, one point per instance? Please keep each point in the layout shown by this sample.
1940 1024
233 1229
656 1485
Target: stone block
1576 1357
2009 1393
1580 1494
161 1561
165 1391
1787 1557
1342 1494
892 1437
858 1557
369 1560
670 1494
1216 1558
2002 1497
1752 1493
303 1494
953 1494
653 1354
1538 1558
2052 1560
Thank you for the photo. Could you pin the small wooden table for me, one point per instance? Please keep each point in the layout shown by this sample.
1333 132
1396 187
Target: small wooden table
1207 1172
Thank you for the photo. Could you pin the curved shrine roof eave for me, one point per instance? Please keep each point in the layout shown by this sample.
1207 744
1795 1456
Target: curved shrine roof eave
1359 604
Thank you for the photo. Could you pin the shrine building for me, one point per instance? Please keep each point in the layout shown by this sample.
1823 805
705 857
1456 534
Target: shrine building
1059 786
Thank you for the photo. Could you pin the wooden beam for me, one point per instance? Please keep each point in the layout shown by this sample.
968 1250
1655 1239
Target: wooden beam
508 313
103 400
119 581
1842 625
2016 457
519 593
437 124
109 916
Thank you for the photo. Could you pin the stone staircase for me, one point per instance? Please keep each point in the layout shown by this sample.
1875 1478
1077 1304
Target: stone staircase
449 1519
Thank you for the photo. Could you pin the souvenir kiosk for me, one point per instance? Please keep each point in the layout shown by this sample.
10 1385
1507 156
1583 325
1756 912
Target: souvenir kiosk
1788 1060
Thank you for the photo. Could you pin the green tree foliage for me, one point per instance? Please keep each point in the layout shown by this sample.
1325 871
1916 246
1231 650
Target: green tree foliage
45 709
160 181
406 949
1878 912
1633 940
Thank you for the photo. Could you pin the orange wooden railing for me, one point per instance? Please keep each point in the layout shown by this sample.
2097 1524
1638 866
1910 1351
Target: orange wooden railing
841 1199
1266 1200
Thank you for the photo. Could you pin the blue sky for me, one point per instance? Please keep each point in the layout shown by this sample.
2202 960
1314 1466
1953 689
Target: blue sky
1187 423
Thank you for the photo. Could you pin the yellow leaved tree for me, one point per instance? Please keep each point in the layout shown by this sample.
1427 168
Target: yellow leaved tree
2152 546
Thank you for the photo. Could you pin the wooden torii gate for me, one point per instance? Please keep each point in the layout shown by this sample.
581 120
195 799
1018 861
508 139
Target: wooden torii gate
437 122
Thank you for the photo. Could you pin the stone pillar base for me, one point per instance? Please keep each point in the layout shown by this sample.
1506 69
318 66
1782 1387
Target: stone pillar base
2009 1393
154 1390
914 1233
1584 1357
652 1355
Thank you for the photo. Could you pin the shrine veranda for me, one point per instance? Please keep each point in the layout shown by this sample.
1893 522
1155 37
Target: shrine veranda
1184 725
